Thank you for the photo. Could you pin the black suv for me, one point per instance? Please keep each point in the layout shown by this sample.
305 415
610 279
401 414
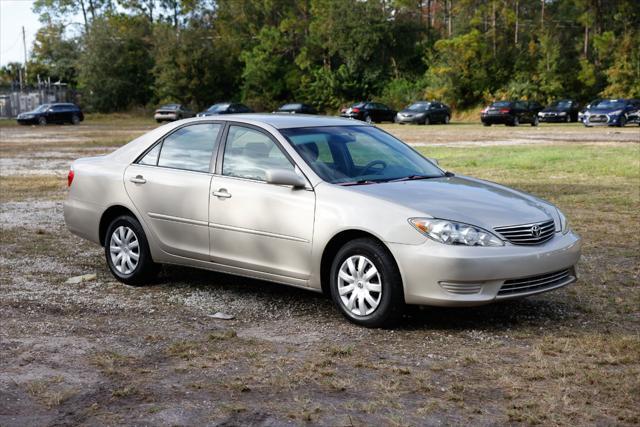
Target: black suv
370 112
52 113
424 113
562 110
511 113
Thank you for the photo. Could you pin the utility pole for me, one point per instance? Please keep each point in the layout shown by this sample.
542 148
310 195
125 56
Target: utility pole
24 46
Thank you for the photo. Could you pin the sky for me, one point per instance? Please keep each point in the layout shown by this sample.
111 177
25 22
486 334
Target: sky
14 14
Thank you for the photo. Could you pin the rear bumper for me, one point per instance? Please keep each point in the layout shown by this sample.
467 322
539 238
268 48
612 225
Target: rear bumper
443 275
353 116
496 119
165 117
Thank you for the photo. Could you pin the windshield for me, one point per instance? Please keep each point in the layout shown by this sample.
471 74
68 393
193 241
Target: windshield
42 108
501 104
218 107
610 104
419 106
561 104
287 107
358 154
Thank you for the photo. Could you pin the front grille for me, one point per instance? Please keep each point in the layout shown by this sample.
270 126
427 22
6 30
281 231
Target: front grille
536 283
598 118
528 234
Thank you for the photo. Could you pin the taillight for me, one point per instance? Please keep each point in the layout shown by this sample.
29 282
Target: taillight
70 177
486 109
504 110
355 110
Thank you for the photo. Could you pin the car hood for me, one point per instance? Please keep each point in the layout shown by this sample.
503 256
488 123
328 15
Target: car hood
556 110
603 110
463 199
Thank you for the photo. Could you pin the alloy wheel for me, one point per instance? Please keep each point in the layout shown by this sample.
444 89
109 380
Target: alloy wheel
359 285
124 249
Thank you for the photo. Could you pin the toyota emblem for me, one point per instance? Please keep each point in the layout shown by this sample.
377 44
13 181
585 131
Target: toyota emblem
535 231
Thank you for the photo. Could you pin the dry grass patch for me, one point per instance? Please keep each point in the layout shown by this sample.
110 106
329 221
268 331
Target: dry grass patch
19 187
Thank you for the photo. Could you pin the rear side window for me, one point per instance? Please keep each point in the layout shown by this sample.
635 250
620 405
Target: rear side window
189 148
250 153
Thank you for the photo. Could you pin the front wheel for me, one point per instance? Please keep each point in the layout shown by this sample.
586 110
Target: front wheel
536 121
127 252
427 121
446 119
366 284
622 121
42 121
486 124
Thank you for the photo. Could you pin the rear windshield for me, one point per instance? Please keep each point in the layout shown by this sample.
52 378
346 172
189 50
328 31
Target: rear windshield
358 105
291 107
170 107
501 104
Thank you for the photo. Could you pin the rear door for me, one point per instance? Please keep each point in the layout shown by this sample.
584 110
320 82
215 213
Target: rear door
256 225
169 185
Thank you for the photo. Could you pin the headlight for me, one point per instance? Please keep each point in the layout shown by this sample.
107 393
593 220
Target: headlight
564 223
616 113
540 114
562 113
454 233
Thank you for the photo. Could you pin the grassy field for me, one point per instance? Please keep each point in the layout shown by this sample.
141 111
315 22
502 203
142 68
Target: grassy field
103 353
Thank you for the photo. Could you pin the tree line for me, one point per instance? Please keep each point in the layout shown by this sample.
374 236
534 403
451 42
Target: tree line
130 53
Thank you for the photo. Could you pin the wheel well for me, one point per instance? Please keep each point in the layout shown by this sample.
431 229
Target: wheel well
108 216
332 248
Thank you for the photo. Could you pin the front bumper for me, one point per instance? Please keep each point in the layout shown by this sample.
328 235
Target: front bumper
444 275
553 117
601 120
27 121
409 119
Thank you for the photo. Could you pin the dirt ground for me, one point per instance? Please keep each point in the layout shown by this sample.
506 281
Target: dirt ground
99 352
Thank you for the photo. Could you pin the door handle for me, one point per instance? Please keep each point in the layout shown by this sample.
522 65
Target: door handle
223 193
138 179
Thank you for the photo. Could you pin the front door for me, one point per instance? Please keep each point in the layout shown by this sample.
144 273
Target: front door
256 225
170 187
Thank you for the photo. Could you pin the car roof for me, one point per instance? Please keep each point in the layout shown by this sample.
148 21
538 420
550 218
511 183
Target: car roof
287 121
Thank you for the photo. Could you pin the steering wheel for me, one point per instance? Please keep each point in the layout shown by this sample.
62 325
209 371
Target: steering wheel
373 163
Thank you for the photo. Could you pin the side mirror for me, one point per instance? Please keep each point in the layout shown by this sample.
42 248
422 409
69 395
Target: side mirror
285 177
434 161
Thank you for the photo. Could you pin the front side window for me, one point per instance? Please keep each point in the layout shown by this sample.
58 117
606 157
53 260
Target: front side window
250 153
188 148
353 154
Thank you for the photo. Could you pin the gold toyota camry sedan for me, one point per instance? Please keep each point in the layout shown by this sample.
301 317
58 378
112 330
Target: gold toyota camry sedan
326 204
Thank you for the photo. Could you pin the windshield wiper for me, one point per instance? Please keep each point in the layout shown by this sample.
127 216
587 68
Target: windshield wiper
417 177
360 182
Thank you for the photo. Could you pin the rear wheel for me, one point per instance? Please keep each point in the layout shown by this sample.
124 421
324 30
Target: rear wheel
127 252
446 119
75 119
366 284
536 121
568 118
486 124
622 121
426 121
515 121
368 119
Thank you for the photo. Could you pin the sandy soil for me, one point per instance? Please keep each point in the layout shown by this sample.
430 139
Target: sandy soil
99 352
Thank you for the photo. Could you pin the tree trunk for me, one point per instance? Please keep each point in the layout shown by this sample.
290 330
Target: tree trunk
449 19
586 40
92 10
515 37
493 28
84 16
542 14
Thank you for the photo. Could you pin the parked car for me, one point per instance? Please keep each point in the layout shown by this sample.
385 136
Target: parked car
321 203
633 116
225 108
52 113
296 108
511 113
424 113
611 112
171 112
562 110
370 112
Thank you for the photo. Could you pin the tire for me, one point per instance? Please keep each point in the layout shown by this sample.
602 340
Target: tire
486 124
569 118
622 121
446 119
131 272
368 119
426 121
515 121
42 121
75 120
536 121
366 253
158 121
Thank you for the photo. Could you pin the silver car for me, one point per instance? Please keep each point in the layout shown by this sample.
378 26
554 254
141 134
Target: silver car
325 204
